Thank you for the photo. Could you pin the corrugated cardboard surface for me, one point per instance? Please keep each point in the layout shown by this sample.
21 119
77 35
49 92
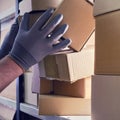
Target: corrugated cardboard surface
35 5
69 66
105 97
105 6
80 88
61 105
46 86
78 14
107 44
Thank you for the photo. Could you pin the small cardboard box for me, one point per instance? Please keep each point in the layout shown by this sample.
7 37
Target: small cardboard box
62 105
81 88
105 6
78 14
68 66
105 97
37 5
107 44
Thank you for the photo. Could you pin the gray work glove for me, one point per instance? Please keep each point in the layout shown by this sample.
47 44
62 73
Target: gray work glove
9 40
32 45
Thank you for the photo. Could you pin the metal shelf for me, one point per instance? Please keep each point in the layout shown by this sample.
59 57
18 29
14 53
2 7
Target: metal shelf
33 111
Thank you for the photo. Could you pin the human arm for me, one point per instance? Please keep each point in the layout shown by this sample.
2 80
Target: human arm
9 70
32 45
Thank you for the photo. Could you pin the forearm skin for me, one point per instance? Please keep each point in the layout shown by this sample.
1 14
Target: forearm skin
9 71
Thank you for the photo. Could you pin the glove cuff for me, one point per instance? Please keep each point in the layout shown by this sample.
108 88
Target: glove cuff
22 57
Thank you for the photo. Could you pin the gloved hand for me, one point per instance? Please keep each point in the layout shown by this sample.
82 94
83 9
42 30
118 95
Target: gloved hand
9 40
32 45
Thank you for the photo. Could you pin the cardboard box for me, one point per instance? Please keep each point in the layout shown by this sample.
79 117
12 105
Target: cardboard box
78 14
80 28
81 88
68 66
105 6
105 97
46 86
36 5
90 42
61 105
107 41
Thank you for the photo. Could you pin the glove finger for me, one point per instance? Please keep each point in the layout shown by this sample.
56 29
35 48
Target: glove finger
53 24
58 33
42 19
61 45
25 22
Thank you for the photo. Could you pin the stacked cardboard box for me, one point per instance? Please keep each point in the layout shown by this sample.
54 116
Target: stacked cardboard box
65 98
105 87
67 89
72 66
63 105
68 66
